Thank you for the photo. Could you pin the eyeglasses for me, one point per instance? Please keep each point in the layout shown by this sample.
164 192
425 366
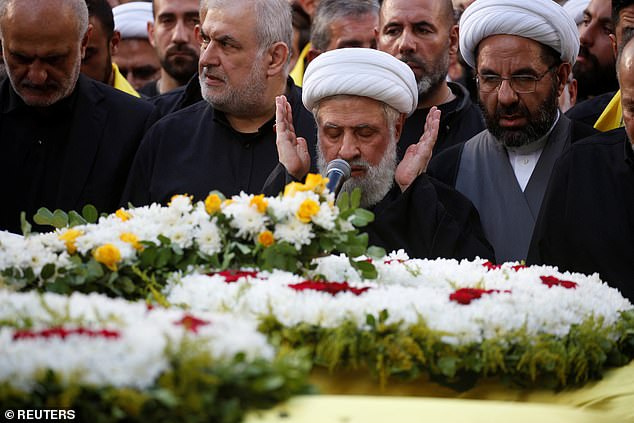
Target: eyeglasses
521 84
142 72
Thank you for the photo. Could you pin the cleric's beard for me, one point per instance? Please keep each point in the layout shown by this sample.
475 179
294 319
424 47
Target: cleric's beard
376 182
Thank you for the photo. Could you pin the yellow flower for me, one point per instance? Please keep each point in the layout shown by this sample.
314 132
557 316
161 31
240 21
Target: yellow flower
69 238
212 203
292 188
109 255
123 215
315 182
307 209
131 239
259 202
266 238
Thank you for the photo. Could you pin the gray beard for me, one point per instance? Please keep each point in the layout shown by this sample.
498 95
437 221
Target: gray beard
377 181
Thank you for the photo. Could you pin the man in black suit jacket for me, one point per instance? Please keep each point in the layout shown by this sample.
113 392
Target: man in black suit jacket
65 140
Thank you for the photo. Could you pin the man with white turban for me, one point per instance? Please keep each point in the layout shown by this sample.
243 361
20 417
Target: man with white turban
360 99
136 58
522 53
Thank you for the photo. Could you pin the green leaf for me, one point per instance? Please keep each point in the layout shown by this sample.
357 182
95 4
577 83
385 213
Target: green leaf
75 219
362 217
370 320
47 271
89 212
355 198
60 219
383 315
447 365
25 226
343 202
368 271
164 256
375 252
43 216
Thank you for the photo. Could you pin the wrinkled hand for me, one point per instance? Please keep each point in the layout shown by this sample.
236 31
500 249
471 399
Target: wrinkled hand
291 150
417 156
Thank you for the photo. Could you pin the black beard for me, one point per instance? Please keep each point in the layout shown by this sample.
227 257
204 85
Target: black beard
592 78
538 125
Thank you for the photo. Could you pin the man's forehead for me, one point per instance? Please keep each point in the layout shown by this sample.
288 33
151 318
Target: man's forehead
409 11
506 48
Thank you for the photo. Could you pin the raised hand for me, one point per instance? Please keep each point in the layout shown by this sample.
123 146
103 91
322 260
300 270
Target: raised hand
291 149
417 156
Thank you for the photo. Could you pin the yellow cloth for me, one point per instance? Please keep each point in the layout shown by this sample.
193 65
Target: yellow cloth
121 83
372 409
612 116
298 71
612 396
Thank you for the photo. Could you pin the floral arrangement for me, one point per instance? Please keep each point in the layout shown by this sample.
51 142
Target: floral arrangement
454 321
130 253
109 358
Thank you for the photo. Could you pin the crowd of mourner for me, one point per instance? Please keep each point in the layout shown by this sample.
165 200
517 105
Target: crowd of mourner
498 129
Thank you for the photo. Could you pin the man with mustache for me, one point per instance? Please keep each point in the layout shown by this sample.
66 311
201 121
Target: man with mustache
522 53
227 142
594 69
66 140
172 36
423 34
361 124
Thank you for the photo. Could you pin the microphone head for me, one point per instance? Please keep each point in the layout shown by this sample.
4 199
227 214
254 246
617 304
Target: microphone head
340 165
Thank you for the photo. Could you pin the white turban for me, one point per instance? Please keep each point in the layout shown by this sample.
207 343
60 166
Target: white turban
361 72
575 8
131 19
541 20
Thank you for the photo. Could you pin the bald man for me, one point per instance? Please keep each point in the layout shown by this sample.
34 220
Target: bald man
65 139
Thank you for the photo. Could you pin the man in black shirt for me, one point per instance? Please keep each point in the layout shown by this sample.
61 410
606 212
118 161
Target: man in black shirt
226 142
65 140
423 34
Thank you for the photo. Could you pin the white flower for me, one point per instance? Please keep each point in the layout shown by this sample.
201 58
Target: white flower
294 232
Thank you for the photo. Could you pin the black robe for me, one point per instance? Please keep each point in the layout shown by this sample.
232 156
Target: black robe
586 222
460 120
429 220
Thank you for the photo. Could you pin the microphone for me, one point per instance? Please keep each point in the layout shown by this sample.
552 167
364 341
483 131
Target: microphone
338 171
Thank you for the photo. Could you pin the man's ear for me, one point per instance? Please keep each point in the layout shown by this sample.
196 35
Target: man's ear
613 42
114 42
312 54
150 33
454 36
563 72
278 58
84 41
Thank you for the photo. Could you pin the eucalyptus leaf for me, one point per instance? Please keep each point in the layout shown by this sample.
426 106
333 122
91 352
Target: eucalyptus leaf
43 216
60 219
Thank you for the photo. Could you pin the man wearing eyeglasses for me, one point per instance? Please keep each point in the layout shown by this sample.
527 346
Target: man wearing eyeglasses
522 53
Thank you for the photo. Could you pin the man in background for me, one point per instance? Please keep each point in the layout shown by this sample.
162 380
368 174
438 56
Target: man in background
135 56
338 24
103 42
423 34
172 36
